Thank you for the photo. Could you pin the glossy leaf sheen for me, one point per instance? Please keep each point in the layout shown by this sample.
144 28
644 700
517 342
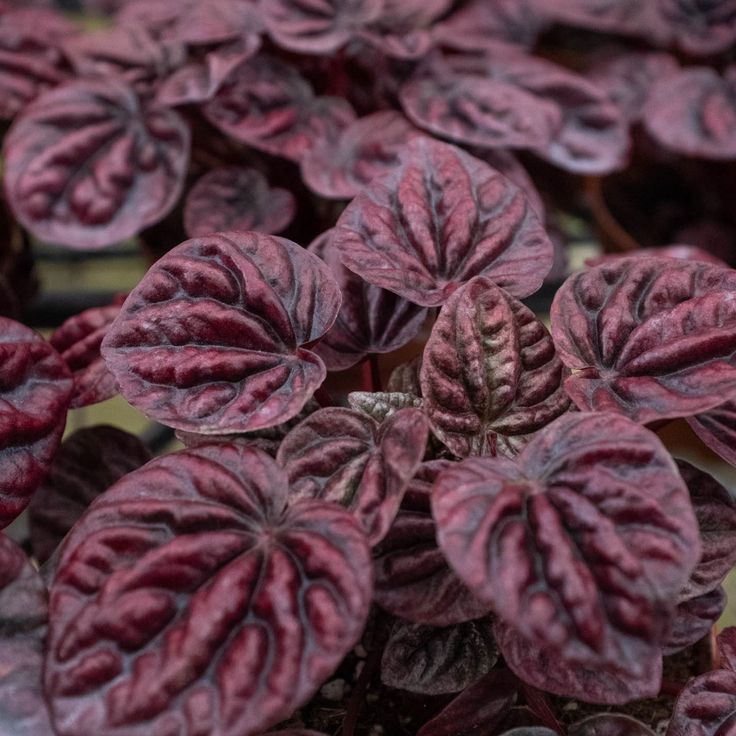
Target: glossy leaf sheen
188 599
343 456
87 166
35 388
210 340
582 545
438 219
651 338
86 465
490 374
694 619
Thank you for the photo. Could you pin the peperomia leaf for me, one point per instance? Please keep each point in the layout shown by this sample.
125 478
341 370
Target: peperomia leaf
23 617
581 546
650 338
413 579
438 219
610 724
380 405
78 341
35 388
681 252
211 339
371 319
205 604
86 465
717 428
701 28
236 198
706 707
726 644
87 166
695 619
343 456
490 374
693 113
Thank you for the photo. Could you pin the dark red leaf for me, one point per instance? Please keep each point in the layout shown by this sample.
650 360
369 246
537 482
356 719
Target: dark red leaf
86 465
726 642
236 198
211 339
609 724
438 219
693 113
478 709
321 27
581 546
681 252
717 428
413 579
339 169
190 599
371 319
78 341
342 456
85 165
490 374
706 707
23 616
701 28
695 619
650 338
435 661
35 388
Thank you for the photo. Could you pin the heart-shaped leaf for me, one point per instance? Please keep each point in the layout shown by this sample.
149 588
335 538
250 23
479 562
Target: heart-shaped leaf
438 219
87 166
490 374
236 198
695 619
706 707
85 466
78 341
210 340
200 602
717 428
581 546
413 579
651 338
343 456
35 388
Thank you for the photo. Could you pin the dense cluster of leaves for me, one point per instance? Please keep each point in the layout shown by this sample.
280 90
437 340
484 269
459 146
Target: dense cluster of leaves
502 523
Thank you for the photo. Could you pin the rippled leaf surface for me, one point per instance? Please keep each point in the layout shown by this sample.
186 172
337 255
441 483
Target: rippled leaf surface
87 166
701 28
717 428
438 219
695 619
236 198
35 388
707 705
189 599
343 456
650 338
490 374
211 339
86 465
380 405
581 546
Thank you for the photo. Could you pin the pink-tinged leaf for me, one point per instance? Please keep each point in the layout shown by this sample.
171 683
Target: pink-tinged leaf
706 707
651 338
610 724
490 374
266 104
480 708
726 643
23 616
189 599
317 26
438 219
413 579
701 28
35 388
85 165
85 466
694 113
236 198
342 456
581 546
366 148
199 81
435 661
694 619
371 319
717 429
78 341
681 252
715 510
211 339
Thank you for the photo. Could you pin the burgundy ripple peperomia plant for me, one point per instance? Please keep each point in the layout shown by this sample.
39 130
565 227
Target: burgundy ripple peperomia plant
407 503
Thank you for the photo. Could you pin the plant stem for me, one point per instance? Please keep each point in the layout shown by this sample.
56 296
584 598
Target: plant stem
613 234
355 705
371 378
538 704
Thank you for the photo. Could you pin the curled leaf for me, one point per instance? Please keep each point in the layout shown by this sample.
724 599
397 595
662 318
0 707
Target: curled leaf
694 619
707 705
717 428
